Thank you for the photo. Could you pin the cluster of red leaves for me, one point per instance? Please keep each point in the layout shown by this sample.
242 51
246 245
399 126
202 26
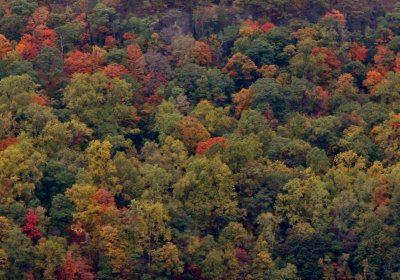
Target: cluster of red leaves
30 228
383 53
328 61
358 52
109 42
78 62
39 100
268 71
4 144
200 53
240 64
31 44
128 36
192 132
336 15
330 58
75 269
254 25
204 146
136 61
323 97
100 202
27 47
115 70
396 125
30 275
384 59
104 198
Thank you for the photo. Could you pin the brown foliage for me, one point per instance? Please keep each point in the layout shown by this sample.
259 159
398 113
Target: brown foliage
242 100
240 65
192 132
200 53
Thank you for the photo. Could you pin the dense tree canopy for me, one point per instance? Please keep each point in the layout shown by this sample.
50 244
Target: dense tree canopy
207 140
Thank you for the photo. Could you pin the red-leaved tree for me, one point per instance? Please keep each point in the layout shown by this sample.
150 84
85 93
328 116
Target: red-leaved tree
4 144
75 269
30 228
358 52
78 62
204 146
115 70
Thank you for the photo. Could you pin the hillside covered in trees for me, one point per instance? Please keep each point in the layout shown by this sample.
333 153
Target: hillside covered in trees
200 139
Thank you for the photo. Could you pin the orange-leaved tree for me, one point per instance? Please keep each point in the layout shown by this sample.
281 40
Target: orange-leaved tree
242 101
192 132
204 146
337 16
358 52
78 62
5 46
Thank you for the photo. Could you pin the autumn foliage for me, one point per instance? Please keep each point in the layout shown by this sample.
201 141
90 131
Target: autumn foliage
39 100
373 78
208 140
323 96
329 61
27 47
251 26
109 42
268 71
75 269
136 61
4 144
30 228
328 58
241 66
358 52
242 100
337 16
115 70
78 62
384 59
31 44
203 147
200 53
103 198
380 196
5 46
38 18
192 132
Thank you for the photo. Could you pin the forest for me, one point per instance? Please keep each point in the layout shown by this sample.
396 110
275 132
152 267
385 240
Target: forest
200 139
